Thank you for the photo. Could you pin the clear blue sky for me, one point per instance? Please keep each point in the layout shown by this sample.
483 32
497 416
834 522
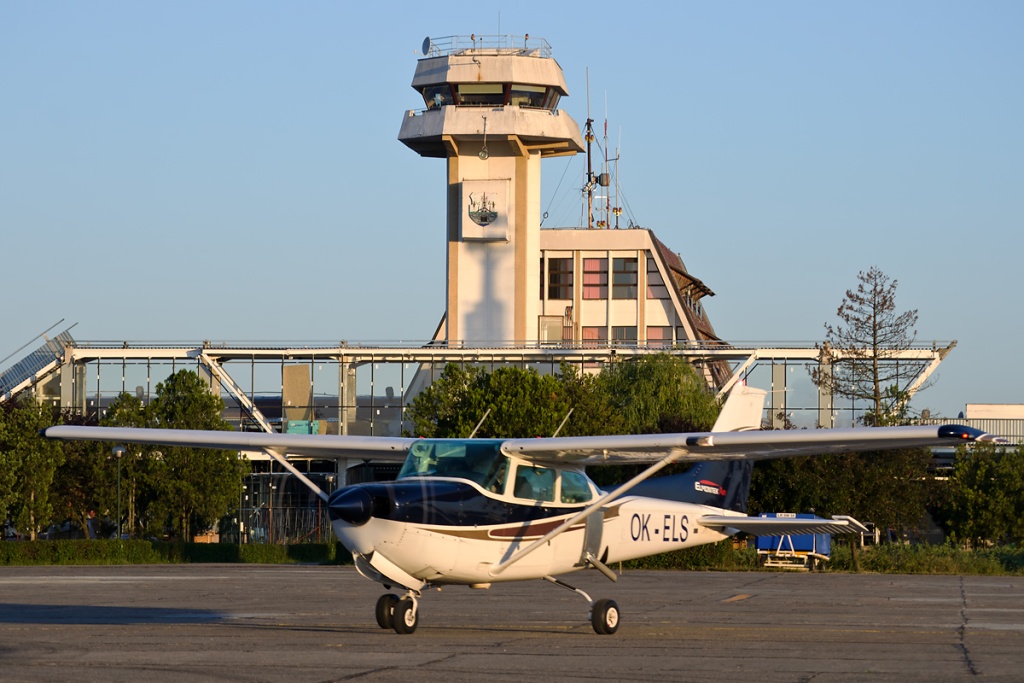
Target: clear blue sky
231 170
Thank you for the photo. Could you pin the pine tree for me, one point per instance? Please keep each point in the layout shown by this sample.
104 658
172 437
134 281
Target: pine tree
858 348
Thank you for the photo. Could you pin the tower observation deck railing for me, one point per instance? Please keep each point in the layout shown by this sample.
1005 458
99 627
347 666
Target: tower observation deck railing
478 44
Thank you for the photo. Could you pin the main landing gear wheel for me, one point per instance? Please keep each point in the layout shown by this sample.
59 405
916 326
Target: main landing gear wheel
604 616
386 610
405 617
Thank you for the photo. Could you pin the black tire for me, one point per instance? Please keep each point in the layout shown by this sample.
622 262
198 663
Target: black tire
405 617
604 616
386 610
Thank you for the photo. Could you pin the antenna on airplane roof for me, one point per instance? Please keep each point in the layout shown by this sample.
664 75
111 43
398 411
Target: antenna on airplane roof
564 420
478 424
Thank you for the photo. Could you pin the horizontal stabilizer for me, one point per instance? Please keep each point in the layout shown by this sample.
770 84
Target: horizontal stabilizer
779 526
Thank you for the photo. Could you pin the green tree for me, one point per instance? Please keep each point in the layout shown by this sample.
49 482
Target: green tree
985 497
87 481
8 464
193 487
659 394
79 482
522 403
646 395
891 489
443 409
33 461
870 331
593 410
137 466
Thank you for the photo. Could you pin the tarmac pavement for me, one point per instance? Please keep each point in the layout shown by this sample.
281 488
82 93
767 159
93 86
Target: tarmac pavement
308 623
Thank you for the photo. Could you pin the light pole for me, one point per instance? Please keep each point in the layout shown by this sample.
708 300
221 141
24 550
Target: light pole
118 451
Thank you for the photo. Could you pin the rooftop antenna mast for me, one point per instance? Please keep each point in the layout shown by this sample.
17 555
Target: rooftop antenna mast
589 187
604 174
604 180
618 209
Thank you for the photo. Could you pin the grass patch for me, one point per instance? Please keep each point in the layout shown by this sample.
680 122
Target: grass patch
711 557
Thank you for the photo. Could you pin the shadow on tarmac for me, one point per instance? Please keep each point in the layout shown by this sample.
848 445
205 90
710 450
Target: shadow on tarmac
14 613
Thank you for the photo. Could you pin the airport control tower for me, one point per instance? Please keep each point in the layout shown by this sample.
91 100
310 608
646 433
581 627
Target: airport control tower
491 110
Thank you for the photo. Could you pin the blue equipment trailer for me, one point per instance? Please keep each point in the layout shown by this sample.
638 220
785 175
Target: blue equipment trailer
799 552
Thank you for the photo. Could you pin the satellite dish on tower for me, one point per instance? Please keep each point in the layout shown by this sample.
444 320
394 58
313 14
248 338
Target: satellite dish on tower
425 48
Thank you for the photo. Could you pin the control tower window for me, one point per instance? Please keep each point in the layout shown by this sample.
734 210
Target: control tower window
527 95
481 93
437 96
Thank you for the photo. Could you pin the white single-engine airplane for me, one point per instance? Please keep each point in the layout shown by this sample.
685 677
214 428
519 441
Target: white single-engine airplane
480 511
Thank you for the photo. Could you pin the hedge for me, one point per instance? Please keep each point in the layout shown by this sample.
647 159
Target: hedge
163 552
883 559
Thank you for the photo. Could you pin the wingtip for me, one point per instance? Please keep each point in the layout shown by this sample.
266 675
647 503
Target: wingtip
965 433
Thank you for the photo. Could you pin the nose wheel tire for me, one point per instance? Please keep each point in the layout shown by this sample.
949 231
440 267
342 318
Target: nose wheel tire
405 617
386 610
604 616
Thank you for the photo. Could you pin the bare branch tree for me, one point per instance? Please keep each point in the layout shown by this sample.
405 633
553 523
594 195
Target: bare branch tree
860 347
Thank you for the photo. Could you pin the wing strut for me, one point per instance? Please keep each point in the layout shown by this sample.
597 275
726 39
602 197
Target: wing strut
673 455
283 461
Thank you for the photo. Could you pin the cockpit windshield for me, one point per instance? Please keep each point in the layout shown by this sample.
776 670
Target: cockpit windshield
480 461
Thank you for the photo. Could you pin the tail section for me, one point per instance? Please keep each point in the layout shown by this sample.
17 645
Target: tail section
742 410
717 483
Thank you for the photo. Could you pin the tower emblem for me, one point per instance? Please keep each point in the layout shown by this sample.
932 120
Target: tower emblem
482 212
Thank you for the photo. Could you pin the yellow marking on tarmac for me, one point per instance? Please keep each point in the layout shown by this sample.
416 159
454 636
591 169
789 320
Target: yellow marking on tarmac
737 598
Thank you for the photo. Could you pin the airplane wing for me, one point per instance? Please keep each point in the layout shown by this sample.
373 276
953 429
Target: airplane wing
752 445
779 526
324 446
578 450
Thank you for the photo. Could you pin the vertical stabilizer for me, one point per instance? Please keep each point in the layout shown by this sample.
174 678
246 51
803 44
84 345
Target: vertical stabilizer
718 483
742 410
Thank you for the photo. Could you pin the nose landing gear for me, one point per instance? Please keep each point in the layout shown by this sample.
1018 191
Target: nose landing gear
400 614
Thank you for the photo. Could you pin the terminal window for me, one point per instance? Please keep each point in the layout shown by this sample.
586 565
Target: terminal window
659 335
624 335
595 278
624 278
656 288
560 278
595 336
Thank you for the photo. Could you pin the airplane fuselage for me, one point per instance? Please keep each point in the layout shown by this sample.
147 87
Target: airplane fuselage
451 531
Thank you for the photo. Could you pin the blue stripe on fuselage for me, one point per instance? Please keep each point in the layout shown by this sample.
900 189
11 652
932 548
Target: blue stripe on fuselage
449 503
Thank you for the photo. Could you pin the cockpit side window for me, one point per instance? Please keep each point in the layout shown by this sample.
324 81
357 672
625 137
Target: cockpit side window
575 488
535 483
494 480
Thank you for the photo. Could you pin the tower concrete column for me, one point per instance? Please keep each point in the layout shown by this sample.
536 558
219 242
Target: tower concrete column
491 110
